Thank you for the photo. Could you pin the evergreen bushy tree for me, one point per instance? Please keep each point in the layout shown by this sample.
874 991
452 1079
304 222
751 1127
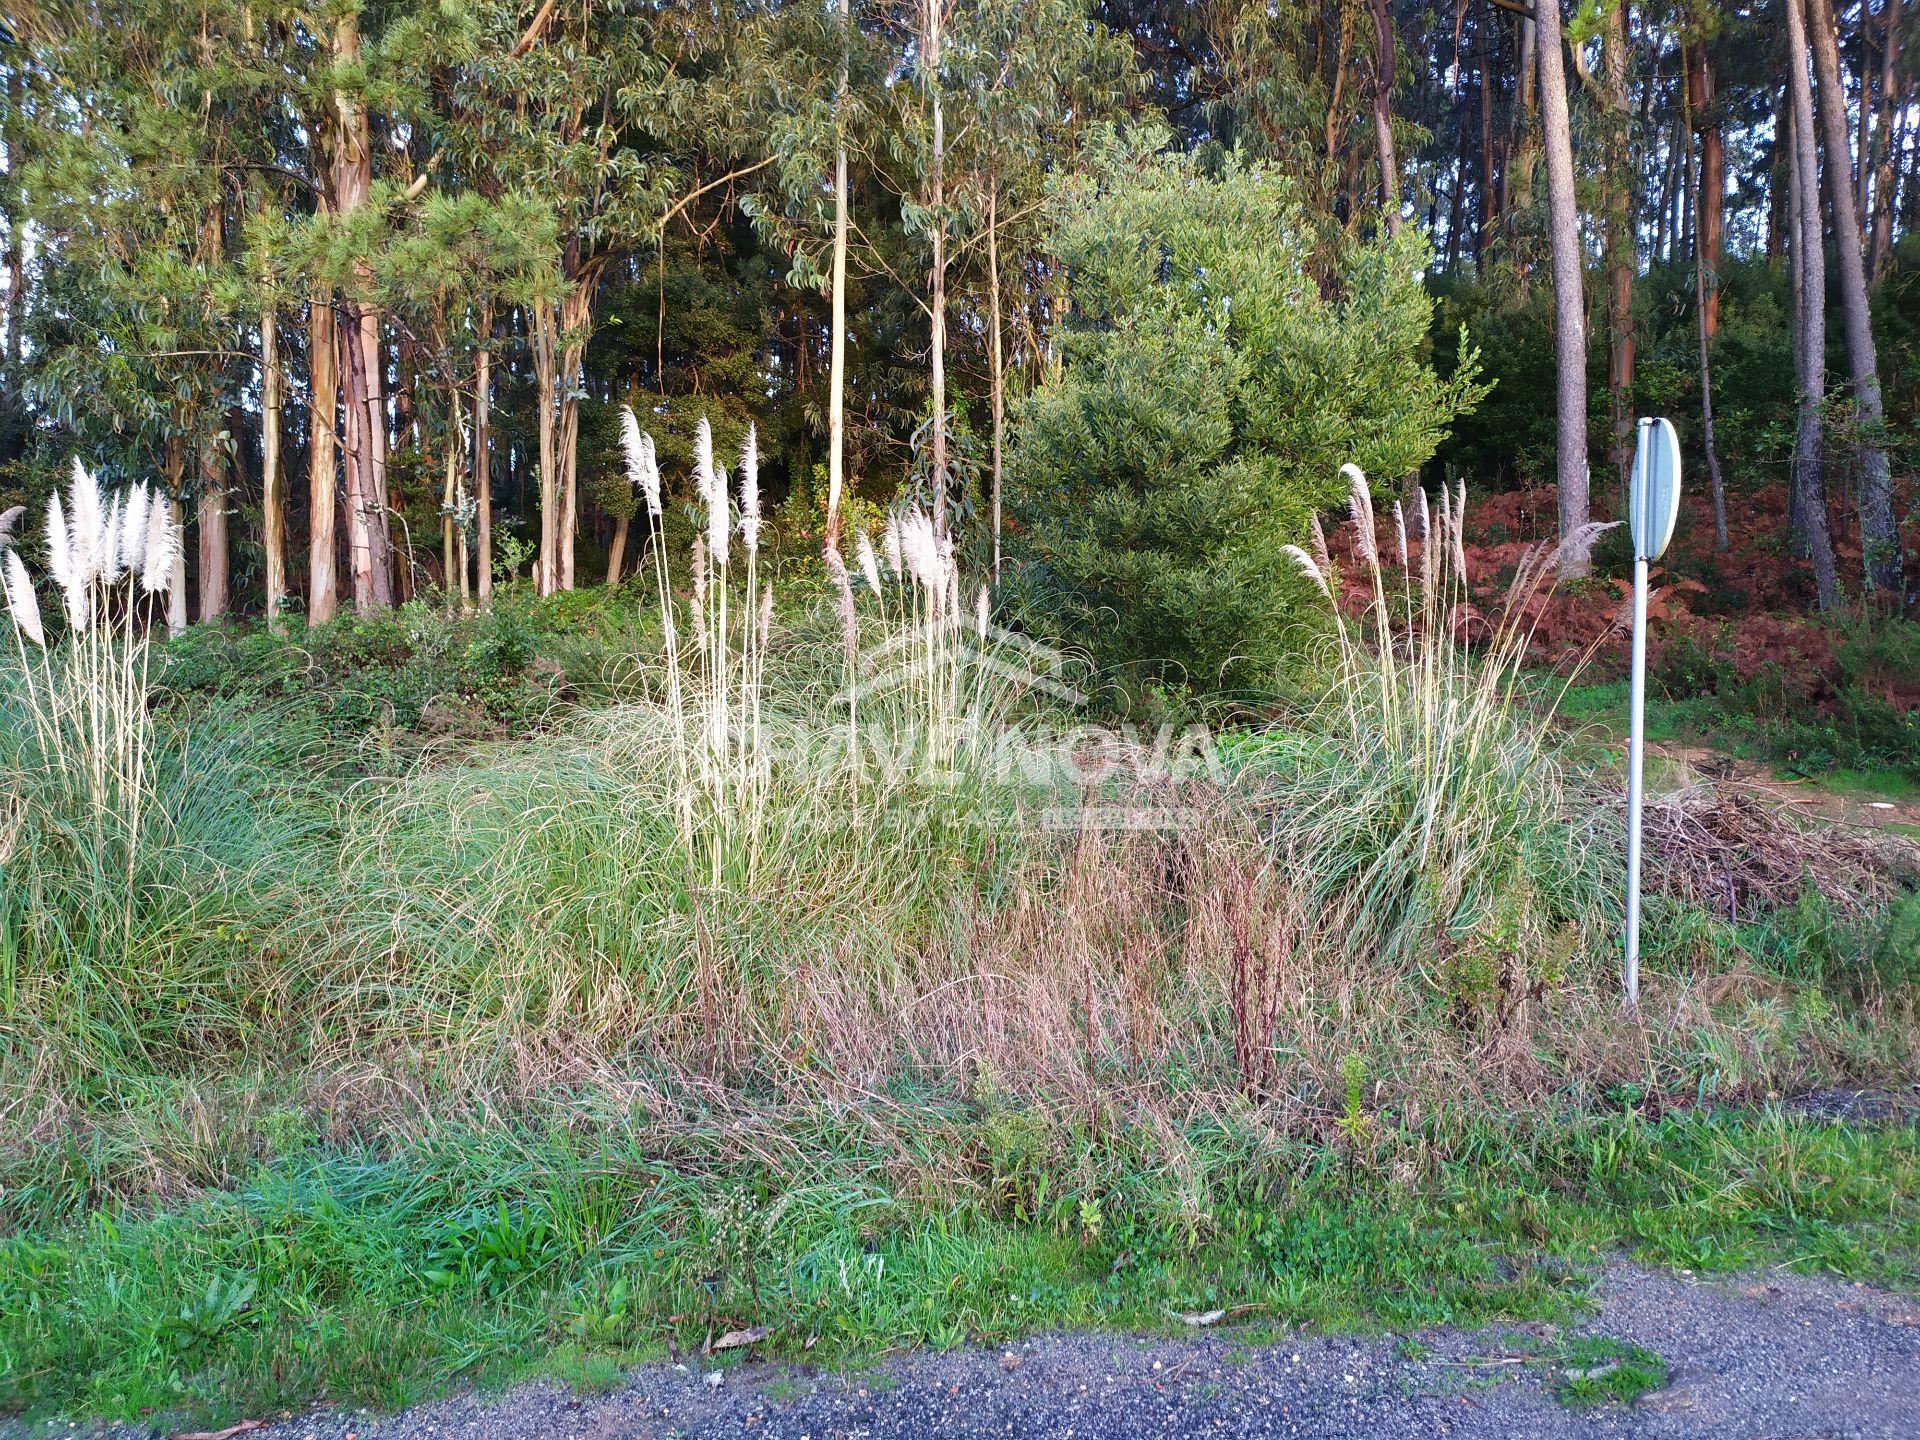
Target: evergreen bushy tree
1216 372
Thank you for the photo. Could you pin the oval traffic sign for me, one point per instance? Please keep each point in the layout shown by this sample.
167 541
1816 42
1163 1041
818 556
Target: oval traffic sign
1654 504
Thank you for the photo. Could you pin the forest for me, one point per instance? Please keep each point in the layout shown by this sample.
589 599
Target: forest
888 673
365 296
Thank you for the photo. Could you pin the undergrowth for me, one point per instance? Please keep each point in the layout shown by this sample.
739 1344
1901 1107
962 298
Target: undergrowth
371 1277
419 1054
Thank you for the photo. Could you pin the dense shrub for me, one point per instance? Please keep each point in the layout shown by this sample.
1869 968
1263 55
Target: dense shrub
1217 372
417 670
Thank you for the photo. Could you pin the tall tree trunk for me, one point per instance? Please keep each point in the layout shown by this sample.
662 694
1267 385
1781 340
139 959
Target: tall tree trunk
1336 107
323 583
483 457
1709 206
576 309
1879 533
1781 221
1489 194
1808 500
211 506
368 528
996 358
1383 73
453 578
541 324
273 505
931 17
1522 144
1621 259
1703 331
1863 135
1886 142
174 468
617 552
16 223
837 360
355 445
1569 322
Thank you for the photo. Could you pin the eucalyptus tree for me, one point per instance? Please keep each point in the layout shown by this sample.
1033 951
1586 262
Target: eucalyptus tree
1879 530
1807 502
1569 266
1030 79
133 199
610 114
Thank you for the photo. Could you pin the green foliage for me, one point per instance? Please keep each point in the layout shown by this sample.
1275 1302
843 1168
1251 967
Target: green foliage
1861 717
375 1278
1213 384
1593 1370
414 671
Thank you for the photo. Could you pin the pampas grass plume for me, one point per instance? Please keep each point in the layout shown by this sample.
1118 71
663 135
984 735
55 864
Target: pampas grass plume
643 470
890 543
109 564
750 491
132 540
21 601
869 566
156 564
86 523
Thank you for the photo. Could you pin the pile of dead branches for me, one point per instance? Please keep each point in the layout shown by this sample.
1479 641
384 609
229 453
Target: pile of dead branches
1735 853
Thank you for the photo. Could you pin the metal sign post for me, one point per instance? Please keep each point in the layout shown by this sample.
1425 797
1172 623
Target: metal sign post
1652 508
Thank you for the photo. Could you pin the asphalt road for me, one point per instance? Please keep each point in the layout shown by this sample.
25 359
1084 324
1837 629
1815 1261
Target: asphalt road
1762 1357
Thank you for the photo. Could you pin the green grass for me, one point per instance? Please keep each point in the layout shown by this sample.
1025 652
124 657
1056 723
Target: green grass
372 1278
1592 1370
423 1057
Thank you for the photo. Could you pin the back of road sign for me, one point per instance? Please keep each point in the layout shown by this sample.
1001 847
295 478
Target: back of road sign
1654 504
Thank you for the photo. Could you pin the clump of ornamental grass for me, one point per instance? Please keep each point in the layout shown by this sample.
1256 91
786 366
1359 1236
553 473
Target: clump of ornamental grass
85 692
1426 791
931 679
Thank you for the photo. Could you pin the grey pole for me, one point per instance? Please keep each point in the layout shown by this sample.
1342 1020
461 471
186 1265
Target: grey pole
1636 739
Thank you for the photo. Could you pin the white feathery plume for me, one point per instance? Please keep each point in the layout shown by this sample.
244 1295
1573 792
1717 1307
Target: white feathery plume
1400 529
7 521
980 613
920 552
21 601
1360 507
59 543
711 481
1460 532
643 471
1307 567
1429 553
110 565
156 563
766 612
650 479
87 522
719 517
890 542
843 601
869 566
132 541
1577 549
1324 560
949 561
750 491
